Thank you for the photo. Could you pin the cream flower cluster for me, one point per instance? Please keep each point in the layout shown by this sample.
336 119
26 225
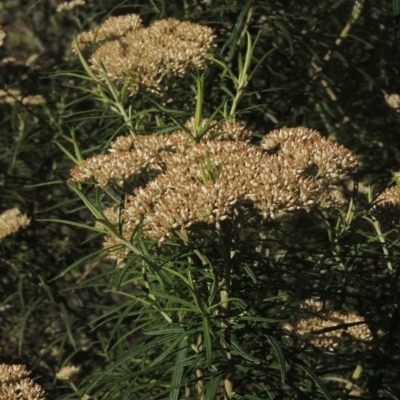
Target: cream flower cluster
147 57
177 183
11 221
70 5
387 208
329 329
13 96
113 28
16 384
66 373
2 36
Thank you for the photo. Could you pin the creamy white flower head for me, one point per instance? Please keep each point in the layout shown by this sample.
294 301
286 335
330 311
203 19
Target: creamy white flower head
387 207
175 183
16 384
2 36
11 221
329 329
146 58
70 5
66 373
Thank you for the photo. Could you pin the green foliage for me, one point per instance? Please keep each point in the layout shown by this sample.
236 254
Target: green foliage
205 315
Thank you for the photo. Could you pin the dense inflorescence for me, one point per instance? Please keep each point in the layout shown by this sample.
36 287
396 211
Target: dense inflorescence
326 328
185 183
67 373
13 96
16 384
70 5
11 221
393 101
144 58
2 36
387 208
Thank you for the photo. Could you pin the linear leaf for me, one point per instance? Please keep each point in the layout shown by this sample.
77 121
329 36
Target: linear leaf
177 374
168 350
317 381
210 390
175 299
279 355
137 350
31 309
207 341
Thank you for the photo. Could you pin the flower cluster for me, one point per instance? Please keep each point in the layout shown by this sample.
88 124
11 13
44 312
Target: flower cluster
2 36
16 384
130 156
26 71
387 208
14 95
329 329
186 184
393 101
11 221
306 149
213 130
66 373
70 5
147 57
112 29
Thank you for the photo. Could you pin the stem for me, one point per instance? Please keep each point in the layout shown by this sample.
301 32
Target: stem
236 101
225 284
385 249
350 384
243 79
199 370
147 285
229 380
198 115
118 108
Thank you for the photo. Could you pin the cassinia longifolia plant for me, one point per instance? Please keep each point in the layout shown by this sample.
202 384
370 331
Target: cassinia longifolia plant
194 216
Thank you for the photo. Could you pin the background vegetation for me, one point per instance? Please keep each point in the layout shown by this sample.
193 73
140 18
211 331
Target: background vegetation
62 305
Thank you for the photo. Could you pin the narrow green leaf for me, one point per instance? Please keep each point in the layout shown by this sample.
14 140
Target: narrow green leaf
336 4
207 341
67 324
286 34
240 351
95 212
83 61
233 41
72 223
226 68
75 264
250 272
176 380
45 184
137 350
259 63
176 299
279 355
168 350
210 390
46 288
317 381
228 92
76 147
36 304
259 319
67 153
164 331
